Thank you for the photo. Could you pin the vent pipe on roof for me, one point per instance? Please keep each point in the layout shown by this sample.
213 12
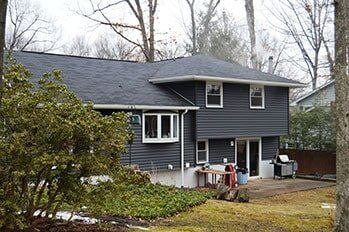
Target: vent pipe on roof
270 65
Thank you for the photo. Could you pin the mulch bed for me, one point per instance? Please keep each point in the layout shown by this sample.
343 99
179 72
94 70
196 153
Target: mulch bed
49 225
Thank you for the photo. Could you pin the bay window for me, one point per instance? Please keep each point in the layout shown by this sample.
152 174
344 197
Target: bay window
160 127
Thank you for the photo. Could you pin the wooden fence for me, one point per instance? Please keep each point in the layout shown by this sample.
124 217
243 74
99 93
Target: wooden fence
311 161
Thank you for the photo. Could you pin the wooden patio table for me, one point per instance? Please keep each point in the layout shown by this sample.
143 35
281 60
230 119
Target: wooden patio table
214 174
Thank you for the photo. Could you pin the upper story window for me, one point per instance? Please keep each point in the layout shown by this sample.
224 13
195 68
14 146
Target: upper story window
214 94
256 97
160 127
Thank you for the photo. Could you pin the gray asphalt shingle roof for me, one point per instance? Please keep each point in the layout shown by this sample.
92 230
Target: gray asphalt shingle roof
105 81
203 65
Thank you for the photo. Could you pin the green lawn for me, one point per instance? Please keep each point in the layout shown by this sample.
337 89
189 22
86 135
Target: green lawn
299 211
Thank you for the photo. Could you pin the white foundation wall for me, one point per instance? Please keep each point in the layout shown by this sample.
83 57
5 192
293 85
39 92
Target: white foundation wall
190 176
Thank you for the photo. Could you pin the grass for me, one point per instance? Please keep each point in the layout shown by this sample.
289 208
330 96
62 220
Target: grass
298 211
145 200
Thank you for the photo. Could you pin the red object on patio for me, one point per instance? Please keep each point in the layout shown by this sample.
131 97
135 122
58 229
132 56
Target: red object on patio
230 180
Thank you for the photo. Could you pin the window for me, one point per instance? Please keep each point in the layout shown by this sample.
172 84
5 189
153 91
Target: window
160 128
256 97
214 94
202 152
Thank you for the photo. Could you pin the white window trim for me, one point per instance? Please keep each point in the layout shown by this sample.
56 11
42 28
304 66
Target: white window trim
159 139
221 94
263 97
207 151
248 139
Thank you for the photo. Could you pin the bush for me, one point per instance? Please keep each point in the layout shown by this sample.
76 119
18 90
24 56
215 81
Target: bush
146 201
312 129
49 141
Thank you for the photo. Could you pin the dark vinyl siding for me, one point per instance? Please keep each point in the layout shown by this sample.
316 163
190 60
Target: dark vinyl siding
186 89
236 119
189 138
157 156
219 149
270 146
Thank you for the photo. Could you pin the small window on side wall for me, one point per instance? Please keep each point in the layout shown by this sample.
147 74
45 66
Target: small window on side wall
202 152
256 97
214 94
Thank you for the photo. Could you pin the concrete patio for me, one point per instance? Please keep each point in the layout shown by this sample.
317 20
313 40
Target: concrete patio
260 188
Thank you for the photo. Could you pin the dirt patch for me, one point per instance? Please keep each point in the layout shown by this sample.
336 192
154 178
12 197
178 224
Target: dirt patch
49 225
262 188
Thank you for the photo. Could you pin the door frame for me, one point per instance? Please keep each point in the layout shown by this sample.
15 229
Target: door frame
247 139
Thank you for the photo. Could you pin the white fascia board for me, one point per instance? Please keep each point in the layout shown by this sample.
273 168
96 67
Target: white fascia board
225 80
143 107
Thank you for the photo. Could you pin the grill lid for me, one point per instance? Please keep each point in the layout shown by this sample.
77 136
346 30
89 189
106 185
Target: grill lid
283 158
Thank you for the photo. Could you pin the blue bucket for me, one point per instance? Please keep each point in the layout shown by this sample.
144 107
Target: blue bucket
242 178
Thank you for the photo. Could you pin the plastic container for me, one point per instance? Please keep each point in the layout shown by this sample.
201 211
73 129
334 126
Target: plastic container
242 176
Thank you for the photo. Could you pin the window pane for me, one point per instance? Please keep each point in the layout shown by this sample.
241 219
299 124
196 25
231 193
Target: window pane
256 101
166 126
213 100
175 134
256 91
201 146
151 126
213 89
202 156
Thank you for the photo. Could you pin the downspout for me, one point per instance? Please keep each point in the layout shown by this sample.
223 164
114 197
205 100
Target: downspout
182 147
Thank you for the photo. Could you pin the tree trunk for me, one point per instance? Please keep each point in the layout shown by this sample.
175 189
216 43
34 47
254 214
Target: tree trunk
342 114
252 32
152 9
3 10
193 25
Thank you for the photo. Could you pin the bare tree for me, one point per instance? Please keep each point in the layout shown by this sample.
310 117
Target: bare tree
145 26
3 10
78 47
111 48
307 23
28 28
200 25
342 113
205 19
192 36
226 40
251 29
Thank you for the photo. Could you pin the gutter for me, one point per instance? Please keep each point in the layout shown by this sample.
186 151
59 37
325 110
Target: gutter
226 80
143 107
182 147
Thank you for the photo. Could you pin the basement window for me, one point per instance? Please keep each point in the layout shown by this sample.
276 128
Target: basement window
214 94
256 97
202 151
160 128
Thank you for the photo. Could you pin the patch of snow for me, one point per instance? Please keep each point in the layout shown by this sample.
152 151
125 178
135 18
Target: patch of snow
328 206
65 215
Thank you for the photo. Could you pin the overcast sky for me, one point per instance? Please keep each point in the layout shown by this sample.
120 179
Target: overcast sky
171 13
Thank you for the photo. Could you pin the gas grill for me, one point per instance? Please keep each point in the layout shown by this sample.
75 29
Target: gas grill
284 167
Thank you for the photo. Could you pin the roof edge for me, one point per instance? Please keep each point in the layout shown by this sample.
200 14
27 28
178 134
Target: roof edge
143 107
225 79
294 103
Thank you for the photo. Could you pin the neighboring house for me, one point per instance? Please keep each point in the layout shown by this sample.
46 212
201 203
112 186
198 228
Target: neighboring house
186 111
322 96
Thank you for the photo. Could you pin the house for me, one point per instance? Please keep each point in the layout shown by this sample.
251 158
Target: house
186 112
322 96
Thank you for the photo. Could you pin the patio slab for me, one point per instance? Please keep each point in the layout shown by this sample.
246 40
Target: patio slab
261 188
